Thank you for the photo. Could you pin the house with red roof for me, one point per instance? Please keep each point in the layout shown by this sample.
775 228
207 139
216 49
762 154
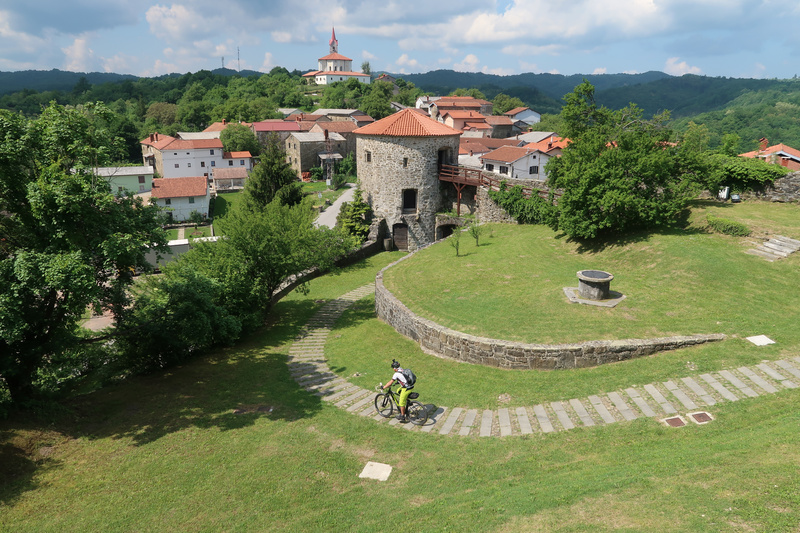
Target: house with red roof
174 157
335 67
517 162
181 196
778 154
523 118
238 159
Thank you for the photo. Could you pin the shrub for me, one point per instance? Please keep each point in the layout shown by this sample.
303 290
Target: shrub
727 227
533 210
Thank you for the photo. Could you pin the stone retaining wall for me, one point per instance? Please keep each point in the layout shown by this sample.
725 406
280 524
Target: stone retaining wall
785 189
442 341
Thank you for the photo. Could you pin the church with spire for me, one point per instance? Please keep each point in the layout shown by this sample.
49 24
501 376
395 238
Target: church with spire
334 67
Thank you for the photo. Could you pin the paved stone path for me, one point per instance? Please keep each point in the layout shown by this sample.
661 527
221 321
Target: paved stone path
308 366
776 248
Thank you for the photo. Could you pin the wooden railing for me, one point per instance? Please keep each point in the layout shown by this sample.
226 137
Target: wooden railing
478 178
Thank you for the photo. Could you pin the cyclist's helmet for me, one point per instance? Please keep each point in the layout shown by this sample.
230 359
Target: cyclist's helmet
395 364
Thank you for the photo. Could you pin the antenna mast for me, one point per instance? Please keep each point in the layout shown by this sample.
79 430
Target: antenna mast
238 60
223 61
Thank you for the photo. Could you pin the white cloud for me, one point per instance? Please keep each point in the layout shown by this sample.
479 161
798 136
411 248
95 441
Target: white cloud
600 70
120 63
676 68
405 61
79 56
268 63
468 64
366 55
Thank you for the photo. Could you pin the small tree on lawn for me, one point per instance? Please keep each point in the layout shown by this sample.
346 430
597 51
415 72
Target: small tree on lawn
455 240
476 230
355 217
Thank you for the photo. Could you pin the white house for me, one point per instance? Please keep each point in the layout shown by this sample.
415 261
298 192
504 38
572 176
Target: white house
237 159
173 157
181 196
524 114
127 180
518 162
335 67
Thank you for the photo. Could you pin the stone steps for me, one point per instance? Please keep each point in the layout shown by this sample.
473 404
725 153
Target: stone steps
777 247
654 400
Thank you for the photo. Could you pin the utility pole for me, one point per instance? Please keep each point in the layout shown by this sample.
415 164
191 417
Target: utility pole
238 61
223 61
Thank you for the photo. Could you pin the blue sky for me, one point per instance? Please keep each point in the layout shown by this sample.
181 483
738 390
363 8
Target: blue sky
733 38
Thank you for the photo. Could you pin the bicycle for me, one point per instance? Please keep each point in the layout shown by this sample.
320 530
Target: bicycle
385 403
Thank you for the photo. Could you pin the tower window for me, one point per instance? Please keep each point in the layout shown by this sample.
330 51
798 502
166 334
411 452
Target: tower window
405 162
369 157
409 201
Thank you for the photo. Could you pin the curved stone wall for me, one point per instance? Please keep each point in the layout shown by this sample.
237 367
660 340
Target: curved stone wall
442 341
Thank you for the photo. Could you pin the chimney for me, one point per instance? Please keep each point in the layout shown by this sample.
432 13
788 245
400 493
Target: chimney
470 153
764 142
224 122
151 138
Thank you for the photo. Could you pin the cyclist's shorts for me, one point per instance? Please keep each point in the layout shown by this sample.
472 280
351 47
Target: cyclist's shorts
404 392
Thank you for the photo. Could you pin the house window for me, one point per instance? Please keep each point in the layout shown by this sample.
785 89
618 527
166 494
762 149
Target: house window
409 201
119 189
189 165
503 169
191 199
141 188
489 167
212 152
534 170
213 163
369 157
202 163
168 201
141 179
241 162
177 165
230 162
405 162
175 153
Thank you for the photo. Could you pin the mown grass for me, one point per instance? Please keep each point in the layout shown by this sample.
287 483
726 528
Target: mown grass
166 452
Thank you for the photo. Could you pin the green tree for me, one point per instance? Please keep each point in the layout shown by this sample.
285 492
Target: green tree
620 172
365 68
355 217
162 113
240 138
268 176
66 243
261 249
377 103
503 103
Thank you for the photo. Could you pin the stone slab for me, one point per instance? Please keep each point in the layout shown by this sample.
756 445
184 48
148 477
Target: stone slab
562 415
640 402
758 380
660 400
486 423
378 471
469 420
542 419
719 387
788 367
432 419
738 383
760 340
504 420
700 391
602 410
583 414
680 395
524 422
623 408
451 421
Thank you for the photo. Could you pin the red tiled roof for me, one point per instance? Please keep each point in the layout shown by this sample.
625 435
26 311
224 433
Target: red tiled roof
516 111
477 125
236 155
219 126
336 73
407 123
166 142
275 125
482 145
458 114
499 121
509 154
339 126
223 173
550 143
774 149
335 56
179 187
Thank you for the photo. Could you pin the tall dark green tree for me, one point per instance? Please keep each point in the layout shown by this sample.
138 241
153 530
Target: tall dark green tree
240 138
270 175
66 243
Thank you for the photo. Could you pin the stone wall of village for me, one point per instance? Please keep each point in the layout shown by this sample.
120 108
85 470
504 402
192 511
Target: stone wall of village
786 189
442 341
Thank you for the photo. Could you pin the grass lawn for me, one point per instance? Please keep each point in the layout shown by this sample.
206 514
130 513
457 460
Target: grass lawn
225 202
166 452
197 232
319 192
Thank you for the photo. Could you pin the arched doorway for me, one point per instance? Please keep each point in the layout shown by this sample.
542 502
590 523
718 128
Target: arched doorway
444 231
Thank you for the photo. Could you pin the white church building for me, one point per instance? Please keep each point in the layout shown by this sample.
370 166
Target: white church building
335 67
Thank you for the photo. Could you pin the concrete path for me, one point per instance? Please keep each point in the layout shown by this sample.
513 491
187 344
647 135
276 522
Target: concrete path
682 396
328 217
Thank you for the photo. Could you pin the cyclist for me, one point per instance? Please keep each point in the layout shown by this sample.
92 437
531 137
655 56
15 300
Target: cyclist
405 390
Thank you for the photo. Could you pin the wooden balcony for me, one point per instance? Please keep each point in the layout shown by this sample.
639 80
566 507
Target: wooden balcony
461 176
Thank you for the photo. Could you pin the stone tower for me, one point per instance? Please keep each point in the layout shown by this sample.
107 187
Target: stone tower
398 167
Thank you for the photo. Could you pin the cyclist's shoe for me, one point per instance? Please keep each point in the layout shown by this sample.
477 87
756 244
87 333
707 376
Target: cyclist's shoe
402 419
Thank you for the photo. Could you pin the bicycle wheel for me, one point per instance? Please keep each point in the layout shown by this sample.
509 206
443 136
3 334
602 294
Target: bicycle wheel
384 405
417 413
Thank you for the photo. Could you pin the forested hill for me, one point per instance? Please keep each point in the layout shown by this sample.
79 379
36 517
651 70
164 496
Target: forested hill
53 80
